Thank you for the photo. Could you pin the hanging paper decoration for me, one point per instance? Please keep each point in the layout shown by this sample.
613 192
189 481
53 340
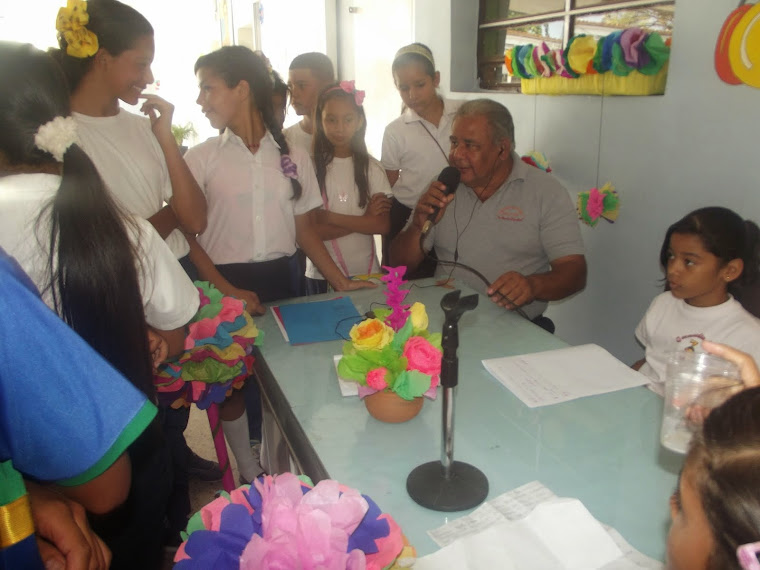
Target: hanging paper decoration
596 204
737 51
537 159
626 62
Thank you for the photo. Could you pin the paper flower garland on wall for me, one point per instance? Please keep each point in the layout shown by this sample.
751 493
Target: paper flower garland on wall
597 204
287 522
737 51
394 351
618 54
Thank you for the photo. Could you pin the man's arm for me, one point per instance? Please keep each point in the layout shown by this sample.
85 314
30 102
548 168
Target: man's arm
567 276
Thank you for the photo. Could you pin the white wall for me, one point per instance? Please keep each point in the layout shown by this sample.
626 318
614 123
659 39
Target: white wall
695 146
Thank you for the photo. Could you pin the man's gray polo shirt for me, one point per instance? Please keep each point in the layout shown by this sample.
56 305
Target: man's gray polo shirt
528 222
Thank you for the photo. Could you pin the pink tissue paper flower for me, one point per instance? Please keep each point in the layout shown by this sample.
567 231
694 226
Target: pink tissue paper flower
422 356
595 205
376 378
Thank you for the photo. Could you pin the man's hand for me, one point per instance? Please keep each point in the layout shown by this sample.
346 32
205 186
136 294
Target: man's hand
64 537
435 197
511 290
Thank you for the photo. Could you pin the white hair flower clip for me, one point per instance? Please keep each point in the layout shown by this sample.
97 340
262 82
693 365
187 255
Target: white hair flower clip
57 136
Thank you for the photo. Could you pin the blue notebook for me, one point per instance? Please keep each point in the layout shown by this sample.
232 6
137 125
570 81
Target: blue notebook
319 321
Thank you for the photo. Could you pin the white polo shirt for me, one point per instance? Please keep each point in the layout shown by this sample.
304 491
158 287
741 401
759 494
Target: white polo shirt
356 250
296 136
410 148
132 164
251 211
169 297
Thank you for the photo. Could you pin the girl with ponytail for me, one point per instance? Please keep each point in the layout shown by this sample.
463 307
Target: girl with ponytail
103 273
261 193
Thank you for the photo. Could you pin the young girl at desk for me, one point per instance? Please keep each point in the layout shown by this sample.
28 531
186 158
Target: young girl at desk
416 144
353 185
705 255
261 193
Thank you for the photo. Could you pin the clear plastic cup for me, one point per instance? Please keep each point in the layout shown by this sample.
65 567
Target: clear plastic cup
695 383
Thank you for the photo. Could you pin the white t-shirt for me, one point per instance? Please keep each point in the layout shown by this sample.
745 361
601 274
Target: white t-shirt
357 250
296 136
671 324
169 297
251 211
408 146
132 164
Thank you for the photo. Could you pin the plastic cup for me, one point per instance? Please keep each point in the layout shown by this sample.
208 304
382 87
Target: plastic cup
695 383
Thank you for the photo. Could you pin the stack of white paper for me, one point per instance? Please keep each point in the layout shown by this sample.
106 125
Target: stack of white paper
529 528
555 376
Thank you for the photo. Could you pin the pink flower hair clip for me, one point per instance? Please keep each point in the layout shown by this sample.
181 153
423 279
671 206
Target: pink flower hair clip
746 554
350 88
289 168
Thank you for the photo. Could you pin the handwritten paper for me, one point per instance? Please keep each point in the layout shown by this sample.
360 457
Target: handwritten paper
554 376
530 528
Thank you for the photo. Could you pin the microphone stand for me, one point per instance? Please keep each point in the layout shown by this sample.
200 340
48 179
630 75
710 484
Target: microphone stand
449 485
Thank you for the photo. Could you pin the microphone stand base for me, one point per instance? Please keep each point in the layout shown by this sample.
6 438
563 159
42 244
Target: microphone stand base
466 486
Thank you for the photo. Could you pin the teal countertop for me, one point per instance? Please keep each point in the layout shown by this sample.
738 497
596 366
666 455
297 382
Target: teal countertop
603 450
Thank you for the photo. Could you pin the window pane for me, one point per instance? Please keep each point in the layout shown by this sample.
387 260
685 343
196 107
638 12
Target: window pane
496 10
657 18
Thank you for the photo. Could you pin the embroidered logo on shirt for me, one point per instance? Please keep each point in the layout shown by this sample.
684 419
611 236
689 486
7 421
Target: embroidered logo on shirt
511 213
693 343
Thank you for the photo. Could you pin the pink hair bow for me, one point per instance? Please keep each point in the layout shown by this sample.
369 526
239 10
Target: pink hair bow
350 88
746 554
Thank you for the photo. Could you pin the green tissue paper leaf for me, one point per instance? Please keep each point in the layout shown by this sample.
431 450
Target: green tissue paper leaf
411 384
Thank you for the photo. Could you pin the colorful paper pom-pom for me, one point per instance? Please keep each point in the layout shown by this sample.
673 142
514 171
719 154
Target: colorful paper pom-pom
537 159
596 204
286 522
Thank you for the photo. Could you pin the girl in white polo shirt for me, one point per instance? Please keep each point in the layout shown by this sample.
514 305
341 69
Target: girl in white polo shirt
415 145
353 185
260 192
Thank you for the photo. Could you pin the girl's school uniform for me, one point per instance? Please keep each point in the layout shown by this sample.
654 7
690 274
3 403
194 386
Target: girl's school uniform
251 231
355 253
169 297
418 150
672 324
132 164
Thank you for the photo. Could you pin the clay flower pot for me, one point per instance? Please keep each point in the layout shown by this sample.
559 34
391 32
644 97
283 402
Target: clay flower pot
391 408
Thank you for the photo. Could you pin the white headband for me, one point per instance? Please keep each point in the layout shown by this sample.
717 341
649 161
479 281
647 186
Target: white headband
57 136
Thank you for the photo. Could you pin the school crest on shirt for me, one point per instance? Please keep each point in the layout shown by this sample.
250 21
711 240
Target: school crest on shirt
691 341
511 214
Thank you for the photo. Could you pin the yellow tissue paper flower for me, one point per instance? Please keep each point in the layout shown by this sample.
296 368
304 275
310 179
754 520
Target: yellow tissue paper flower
81 43
419 317
371 334
73 16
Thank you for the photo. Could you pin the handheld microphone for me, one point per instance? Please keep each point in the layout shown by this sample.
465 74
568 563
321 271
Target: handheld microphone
450 178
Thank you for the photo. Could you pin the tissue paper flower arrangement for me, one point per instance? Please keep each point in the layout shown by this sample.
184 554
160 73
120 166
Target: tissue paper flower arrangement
217 355
287 522
394 352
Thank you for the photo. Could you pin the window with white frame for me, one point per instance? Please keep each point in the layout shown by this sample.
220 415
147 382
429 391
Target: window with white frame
503 24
